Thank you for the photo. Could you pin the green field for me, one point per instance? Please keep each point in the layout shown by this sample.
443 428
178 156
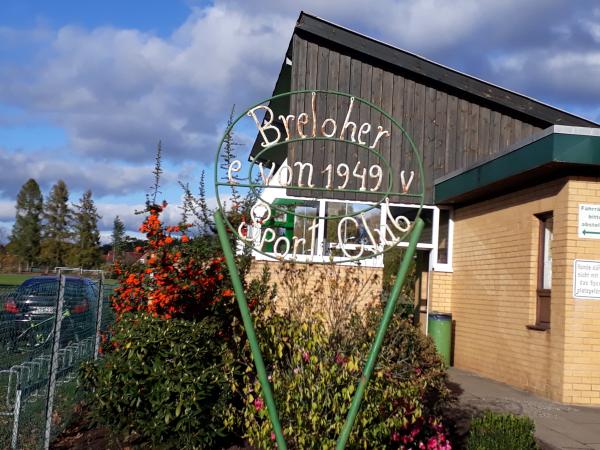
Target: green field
14 279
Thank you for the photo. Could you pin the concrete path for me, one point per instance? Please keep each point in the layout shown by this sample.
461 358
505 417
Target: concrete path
557 426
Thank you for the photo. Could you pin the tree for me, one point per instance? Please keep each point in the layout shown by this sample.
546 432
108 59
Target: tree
57 229
26 233
195 208
87 244
118 239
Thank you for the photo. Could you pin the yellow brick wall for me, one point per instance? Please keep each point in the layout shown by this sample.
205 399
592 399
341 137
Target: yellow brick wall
492 293
440 297
492 290
327 291
582 317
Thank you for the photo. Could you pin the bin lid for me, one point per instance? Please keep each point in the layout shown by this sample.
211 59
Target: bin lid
440 316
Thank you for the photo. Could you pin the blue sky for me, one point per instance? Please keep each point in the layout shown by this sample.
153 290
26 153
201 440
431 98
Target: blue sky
88 88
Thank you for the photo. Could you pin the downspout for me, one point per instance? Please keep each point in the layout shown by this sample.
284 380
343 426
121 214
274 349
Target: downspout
428 292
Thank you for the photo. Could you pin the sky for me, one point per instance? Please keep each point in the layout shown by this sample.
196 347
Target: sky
88 89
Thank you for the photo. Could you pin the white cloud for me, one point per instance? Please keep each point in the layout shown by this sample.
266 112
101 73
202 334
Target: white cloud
566 77
101 177
117 92
7 211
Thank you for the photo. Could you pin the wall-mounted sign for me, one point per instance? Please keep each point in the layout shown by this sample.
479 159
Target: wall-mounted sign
589 221
586 279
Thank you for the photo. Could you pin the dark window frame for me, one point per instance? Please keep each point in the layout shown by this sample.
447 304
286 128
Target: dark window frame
543 295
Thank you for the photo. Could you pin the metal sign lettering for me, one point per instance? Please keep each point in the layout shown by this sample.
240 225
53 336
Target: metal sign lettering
367 175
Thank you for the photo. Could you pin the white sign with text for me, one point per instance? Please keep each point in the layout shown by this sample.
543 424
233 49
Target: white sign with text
586 279
589 221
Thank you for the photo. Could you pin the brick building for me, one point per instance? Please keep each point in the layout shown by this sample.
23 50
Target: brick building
511 192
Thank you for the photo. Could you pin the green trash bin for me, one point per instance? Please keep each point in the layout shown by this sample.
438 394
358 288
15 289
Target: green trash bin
440 330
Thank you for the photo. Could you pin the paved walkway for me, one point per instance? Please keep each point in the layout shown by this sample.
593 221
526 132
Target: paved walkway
557 426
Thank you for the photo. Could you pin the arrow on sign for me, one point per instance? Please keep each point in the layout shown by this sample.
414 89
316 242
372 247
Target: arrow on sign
590 232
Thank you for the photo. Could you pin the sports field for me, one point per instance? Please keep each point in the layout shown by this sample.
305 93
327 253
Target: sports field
14 279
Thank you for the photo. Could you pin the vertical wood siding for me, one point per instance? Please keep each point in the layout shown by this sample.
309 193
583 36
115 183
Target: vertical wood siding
451 132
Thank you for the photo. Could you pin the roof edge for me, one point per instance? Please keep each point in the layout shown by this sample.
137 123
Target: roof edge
572 148
444 75
554 129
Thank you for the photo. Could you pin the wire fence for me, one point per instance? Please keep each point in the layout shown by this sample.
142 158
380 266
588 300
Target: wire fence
49 325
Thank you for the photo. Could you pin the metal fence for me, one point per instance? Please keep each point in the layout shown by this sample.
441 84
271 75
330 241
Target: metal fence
49 325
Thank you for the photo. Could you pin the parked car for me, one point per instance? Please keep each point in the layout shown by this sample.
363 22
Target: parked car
29 311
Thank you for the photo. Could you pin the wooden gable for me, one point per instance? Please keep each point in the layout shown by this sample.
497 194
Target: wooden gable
454 120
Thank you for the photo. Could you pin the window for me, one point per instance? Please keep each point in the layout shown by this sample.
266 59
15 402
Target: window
352 229
410 212
293 218
441 256
443 234
352 234
544 284
307 213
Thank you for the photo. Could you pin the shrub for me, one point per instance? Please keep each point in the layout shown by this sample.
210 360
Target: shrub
170 359
314 375
494 431
165 380
174 282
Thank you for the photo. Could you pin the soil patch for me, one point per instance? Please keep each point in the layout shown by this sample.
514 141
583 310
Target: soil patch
84 434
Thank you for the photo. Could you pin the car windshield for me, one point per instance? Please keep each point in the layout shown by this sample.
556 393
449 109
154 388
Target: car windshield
38 286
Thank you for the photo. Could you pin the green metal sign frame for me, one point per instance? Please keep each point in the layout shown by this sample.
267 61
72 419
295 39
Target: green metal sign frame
414 233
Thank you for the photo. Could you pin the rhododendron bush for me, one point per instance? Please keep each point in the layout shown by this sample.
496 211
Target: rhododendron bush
166 383
314 375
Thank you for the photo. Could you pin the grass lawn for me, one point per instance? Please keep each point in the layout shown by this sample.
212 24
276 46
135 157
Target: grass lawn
15 279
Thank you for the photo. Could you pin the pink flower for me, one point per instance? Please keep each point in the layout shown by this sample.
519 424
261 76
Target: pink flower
395 436
442 443
272 436
305 356
432 443
258 403
340 359
438 443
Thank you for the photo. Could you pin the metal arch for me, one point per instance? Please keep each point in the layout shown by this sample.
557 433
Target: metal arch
222 223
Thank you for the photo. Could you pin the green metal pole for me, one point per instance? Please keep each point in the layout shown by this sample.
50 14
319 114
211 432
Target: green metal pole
378 342
249 327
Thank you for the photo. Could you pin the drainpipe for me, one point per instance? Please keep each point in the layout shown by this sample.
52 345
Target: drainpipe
428 291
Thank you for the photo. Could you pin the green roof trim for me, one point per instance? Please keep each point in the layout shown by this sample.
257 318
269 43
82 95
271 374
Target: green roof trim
552 148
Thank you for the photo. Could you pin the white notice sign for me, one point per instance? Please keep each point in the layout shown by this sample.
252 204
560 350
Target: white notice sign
589 221
586 279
